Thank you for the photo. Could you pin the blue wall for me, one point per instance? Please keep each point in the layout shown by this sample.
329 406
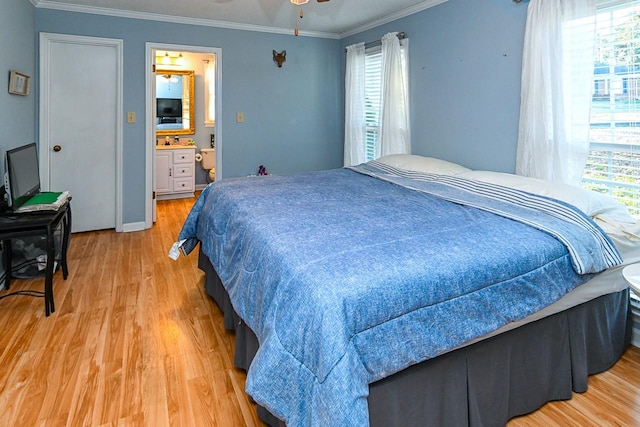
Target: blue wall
465 59
17 47
292 114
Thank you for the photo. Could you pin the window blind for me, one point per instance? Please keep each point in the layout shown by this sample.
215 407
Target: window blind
373 99
613 166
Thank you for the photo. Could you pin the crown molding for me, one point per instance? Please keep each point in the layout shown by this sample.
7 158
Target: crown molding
392 17
46 4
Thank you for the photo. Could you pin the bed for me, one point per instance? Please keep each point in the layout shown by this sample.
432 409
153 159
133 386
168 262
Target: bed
413 291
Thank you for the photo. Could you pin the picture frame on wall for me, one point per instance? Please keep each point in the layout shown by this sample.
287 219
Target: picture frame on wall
19 83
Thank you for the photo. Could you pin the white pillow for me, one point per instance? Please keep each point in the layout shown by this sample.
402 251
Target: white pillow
590 202
416 163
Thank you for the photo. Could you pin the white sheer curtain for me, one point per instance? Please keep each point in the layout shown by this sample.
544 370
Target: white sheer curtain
210 92
354 121
395 136
557 71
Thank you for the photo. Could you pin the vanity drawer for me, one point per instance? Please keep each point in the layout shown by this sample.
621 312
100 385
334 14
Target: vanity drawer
182 170
181 185
183 156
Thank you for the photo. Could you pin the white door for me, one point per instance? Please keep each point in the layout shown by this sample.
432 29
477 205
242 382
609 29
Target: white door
80 126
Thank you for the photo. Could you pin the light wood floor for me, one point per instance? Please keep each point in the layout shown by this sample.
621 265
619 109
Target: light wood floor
135 341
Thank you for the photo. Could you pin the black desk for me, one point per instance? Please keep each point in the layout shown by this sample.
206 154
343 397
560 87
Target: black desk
14 226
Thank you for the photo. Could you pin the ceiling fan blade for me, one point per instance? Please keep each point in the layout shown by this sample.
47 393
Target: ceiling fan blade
321 1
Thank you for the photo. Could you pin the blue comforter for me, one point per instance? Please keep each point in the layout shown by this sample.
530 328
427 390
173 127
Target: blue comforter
350 275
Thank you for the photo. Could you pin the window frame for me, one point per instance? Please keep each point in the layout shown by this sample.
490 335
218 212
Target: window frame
613 166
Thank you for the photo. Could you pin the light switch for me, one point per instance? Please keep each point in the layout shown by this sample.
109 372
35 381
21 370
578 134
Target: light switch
240 117
131 117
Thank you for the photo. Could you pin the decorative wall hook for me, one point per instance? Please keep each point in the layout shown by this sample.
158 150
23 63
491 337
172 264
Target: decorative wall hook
279 58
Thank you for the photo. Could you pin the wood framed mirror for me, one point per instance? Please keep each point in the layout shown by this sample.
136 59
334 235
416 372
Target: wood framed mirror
175 103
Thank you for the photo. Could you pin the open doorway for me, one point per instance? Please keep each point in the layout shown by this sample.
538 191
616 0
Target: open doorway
188 120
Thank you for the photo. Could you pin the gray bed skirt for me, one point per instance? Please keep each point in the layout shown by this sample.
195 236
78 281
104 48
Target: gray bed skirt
488 382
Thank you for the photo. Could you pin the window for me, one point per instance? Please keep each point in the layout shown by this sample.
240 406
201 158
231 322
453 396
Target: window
210 92
613 166
376 100
373 99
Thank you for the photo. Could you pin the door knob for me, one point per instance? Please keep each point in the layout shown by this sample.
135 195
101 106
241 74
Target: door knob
57 148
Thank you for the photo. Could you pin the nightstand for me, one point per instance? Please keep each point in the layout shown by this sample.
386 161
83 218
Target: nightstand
631 274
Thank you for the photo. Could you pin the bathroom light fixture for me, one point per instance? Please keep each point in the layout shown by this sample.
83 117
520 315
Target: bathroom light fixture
170 59
299 2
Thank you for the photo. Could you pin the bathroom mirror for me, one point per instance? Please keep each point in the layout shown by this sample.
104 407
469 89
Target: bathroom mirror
175 103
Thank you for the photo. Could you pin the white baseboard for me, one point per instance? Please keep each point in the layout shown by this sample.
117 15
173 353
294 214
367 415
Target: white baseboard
133 226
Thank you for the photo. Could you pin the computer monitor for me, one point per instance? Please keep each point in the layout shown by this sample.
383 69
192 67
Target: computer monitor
22 174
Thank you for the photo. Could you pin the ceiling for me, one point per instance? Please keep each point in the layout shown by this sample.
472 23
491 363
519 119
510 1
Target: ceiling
333 19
